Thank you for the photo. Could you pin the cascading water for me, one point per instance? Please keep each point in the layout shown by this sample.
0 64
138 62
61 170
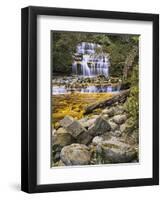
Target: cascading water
89 63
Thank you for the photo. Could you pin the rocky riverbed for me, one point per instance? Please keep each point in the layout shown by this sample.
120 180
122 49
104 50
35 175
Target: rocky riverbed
107 137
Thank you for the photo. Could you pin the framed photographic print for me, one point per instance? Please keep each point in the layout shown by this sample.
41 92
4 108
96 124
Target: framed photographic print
90 99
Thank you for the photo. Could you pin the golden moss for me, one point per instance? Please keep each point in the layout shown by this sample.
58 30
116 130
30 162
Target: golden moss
73 104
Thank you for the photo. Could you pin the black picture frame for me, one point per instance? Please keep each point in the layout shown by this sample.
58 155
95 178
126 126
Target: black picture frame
29 99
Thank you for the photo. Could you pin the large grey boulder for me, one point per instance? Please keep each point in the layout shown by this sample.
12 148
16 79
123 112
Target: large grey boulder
60 139
119 119
115 151
75 128
84 138
75 154
66 121
72 126
100 127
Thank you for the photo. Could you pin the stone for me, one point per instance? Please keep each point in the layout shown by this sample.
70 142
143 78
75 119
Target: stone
105 116
101 126
75 129
60 163
117 133
109 112
75 154
84 138
62 139
61 130
128 126
88 123
119 119
113 125
118 110
66 121
115 151
123 127
53 132
96 140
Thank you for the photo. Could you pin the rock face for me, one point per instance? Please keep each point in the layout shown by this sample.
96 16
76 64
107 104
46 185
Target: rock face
75 154
115 151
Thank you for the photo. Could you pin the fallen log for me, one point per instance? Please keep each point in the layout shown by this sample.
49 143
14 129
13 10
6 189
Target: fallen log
120 98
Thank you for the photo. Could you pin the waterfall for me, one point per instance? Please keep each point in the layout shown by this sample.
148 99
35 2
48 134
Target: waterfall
89 63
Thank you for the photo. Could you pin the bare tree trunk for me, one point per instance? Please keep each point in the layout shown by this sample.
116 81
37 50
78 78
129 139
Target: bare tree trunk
120 98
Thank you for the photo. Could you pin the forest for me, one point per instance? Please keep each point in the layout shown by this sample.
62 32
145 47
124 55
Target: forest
95 98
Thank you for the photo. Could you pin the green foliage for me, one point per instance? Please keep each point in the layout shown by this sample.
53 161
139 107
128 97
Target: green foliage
116 46
132 103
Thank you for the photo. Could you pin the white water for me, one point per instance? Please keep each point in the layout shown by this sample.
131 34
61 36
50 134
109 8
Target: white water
91 63
89 89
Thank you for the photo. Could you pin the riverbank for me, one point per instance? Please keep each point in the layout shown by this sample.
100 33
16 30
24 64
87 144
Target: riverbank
106 135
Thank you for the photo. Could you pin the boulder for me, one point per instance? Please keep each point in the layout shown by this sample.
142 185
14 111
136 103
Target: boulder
115 151
118 110
84 138
113 125
75 154
119 119
128 126
117 133
109 112
75 129
88 122
62 138
66 121
72 126
53 131
59 140
100 127
97 140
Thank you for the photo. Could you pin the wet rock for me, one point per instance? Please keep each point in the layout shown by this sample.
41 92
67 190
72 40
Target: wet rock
119 119
75 154
115 151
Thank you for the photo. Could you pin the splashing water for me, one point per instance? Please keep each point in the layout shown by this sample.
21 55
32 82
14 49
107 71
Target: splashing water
89 63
